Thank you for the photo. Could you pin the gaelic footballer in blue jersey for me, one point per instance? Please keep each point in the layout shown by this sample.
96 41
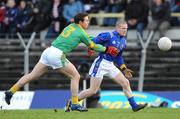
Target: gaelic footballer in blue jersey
104 65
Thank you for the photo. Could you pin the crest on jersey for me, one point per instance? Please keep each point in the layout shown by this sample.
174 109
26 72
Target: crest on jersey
114 42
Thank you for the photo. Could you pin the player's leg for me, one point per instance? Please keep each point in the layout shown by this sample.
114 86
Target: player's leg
94 87
121 80
97 71
40 68
70 71
37 71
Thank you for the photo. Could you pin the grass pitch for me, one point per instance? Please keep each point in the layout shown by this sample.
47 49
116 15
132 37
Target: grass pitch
148 113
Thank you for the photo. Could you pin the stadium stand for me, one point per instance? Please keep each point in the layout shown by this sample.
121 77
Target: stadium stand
161 71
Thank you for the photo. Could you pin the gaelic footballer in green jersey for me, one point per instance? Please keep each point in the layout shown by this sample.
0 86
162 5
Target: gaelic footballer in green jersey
54 57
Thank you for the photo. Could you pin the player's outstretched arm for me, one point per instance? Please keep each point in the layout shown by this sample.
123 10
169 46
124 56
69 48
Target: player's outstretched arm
100 48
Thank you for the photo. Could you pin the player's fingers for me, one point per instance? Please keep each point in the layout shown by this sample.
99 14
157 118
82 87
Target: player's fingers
128 77
128 74
129 70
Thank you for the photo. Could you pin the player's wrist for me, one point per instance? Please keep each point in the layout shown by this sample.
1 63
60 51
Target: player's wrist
123 67
106 50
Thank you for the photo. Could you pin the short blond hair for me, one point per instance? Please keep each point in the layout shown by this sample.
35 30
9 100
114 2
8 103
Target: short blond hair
120 21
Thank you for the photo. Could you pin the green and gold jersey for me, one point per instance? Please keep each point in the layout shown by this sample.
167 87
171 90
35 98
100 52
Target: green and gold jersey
71 37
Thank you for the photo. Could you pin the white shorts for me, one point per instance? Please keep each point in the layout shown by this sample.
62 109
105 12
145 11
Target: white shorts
101 67
54 58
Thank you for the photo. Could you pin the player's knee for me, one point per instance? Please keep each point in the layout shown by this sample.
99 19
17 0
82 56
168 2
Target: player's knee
76 77
125 83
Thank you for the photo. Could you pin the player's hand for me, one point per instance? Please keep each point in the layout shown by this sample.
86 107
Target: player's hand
127 73
90 52
112 50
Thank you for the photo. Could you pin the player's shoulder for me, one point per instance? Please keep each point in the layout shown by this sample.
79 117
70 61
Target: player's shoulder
105 34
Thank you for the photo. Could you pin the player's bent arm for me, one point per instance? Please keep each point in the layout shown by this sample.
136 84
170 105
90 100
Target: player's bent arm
120 62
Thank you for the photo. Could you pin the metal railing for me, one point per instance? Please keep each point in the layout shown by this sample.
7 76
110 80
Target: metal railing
26 54
119 15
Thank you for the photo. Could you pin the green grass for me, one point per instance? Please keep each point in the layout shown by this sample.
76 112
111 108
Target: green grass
148 113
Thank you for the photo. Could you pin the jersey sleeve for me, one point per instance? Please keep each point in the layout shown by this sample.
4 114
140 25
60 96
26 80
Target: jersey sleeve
87 40
120 62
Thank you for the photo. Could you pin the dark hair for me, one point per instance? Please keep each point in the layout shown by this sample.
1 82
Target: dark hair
79 17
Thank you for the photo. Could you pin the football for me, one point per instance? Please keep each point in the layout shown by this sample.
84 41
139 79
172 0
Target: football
164 43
